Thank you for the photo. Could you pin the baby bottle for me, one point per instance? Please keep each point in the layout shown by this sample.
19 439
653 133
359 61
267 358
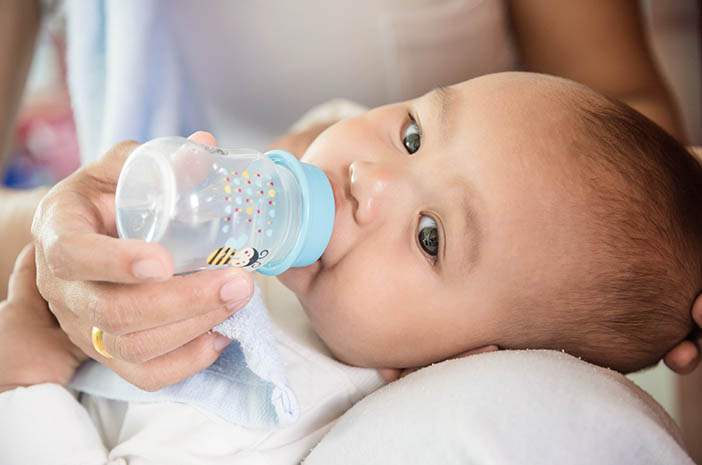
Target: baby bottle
212 207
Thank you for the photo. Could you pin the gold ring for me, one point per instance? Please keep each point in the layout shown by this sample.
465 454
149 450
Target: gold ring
97 342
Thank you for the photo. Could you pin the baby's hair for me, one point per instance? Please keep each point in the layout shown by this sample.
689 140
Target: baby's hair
643 234
648 212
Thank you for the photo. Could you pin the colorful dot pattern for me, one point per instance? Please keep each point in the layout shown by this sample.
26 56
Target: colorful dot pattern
256 192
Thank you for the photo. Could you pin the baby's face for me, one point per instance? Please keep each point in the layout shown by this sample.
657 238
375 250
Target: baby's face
448 206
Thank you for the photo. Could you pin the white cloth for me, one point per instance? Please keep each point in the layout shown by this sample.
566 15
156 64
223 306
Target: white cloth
245 71
44 424
246 385
504 408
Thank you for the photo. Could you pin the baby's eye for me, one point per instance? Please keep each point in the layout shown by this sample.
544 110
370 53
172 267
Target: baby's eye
412 138
428 236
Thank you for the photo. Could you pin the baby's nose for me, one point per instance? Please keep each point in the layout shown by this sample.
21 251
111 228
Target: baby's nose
375 187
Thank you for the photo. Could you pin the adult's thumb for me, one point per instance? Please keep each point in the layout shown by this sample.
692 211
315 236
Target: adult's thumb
23 280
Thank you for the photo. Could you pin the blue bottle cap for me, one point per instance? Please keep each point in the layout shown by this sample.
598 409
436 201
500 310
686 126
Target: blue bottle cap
317 214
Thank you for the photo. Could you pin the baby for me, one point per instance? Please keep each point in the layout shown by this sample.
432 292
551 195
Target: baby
513 210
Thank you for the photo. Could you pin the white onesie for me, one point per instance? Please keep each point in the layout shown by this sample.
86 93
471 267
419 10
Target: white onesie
44 424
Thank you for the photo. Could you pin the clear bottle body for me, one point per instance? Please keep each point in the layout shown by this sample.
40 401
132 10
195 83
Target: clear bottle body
209 207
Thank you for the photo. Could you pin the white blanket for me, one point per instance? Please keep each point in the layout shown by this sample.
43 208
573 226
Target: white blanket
511 407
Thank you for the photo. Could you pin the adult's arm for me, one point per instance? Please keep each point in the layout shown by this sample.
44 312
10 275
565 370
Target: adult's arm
599 43
16 211
19 24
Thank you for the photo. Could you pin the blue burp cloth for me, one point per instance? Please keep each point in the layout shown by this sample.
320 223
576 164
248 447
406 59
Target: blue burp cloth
246 385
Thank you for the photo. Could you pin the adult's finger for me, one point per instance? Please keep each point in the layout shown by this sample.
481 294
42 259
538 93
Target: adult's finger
193 163
169 368
73 222
174 366
697 334
78 219
697 311
125 308
204 138
89 256
683 358
24 296
22 286
141 346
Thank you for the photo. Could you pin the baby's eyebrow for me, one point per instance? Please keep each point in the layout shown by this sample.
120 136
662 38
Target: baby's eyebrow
443 98
467 248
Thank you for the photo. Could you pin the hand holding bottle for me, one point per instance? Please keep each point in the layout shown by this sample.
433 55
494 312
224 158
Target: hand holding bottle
155 325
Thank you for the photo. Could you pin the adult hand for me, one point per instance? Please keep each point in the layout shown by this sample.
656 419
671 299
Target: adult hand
684 357
156 325
34 349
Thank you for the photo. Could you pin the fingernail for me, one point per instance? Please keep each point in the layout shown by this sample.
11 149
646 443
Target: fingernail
148 269
235 290
221 342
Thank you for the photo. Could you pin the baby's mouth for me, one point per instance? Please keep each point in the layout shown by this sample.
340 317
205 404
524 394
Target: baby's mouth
336 192
339 201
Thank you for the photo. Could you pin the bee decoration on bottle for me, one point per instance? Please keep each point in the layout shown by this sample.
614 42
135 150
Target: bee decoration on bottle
245 258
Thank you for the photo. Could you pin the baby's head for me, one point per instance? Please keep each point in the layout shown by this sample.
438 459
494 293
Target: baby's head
514 209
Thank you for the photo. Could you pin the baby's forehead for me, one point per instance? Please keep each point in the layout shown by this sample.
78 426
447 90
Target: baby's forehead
521 86
514 101
525 118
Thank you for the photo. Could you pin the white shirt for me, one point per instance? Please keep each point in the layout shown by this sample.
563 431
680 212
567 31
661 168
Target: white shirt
245 71
45 424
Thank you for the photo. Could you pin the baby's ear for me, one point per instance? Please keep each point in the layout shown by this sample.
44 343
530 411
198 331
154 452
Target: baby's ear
392 374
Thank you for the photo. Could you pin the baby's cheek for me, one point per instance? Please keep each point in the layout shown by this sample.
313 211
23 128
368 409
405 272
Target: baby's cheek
336 329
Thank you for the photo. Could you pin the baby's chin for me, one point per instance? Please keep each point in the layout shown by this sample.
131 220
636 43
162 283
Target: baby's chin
300 279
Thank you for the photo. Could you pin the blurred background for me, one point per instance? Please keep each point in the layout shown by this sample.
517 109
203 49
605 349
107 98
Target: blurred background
45 149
